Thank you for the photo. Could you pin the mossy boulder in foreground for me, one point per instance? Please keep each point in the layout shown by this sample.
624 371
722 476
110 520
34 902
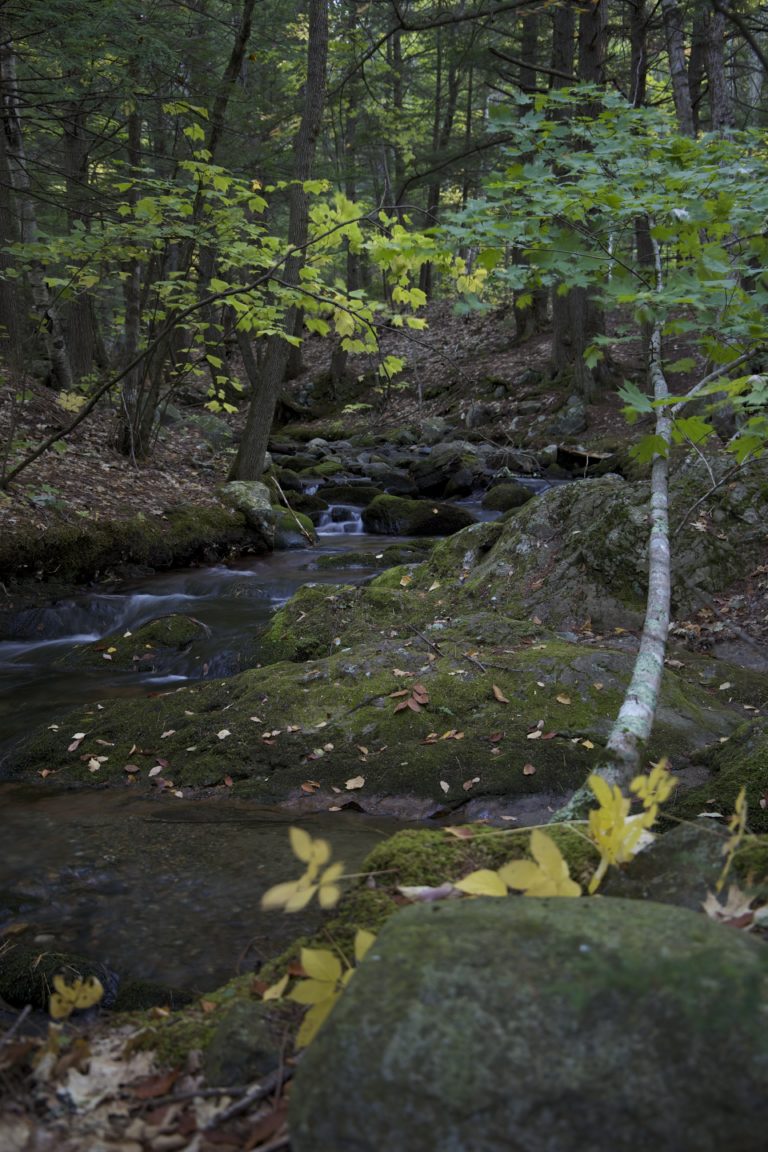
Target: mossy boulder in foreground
598 1024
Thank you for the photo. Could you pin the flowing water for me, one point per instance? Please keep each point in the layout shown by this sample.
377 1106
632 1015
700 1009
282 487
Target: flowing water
163 889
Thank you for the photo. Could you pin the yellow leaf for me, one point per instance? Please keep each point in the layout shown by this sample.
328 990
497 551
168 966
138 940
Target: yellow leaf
313 1020
563 699
279 895
275 992
484 882
499 695
363 942
301 844
320 964
312 991
68 998
549 876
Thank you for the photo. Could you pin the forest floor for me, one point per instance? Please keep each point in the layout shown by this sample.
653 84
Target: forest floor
133 1108
451 365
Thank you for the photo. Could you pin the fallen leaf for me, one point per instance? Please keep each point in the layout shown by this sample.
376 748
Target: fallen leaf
528 770
422 893
495 737
93 764
470 783
460 831
405 581
499 695
535 735
229 782
131 768
563 699
445 785
587 744
355 782
222 735
170 732
434 586
310 786
156 770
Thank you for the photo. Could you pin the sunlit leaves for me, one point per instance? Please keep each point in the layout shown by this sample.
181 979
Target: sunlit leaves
546 875
327 977
77 996
317 880
737 827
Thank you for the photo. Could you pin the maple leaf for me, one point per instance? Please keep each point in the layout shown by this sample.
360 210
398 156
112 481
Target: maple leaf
546 875
736 910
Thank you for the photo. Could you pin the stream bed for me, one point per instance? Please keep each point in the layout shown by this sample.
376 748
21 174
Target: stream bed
160 888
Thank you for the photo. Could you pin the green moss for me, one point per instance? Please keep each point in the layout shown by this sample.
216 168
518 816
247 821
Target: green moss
138 649
321 469
140 995
741 762
27 973
396 515
750 865
86 550
415 856
293 529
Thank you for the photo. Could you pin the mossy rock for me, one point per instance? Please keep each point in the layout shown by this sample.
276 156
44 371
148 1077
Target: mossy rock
397 516
425 857
286 723
293 530
577 554
151 648
141 995
86 550
617 1025
358 494
502 497
27 972
741 762
321 469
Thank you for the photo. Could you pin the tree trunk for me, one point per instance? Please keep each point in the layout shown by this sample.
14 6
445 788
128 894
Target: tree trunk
575 317
720 102
249 462
48 315
674 29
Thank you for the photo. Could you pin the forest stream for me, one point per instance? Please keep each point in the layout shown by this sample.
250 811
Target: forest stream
166 889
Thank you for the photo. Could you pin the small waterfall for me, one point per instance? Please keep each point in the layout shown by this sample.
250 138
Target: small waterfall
341 520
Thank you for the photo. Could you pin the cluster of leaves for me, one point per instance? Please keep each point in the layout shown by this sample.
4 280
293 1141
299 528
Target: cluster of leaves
576 185
75 997
327 977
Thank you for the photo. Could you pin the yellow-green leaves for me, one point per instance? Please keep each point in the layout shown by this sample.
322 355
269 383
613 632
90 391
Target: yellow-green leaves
293 895
546 875
654 788
737 826
326 979
484 882
78 995
617 835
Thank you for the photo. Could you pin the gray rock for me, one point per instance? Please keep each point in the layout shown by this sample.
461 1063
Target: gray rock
435 429
242 1048
502 497
545 1026
570 420
251 497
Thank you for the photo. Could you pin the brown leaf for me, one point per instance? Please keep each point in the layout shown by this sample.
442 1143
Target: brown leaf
529 770
499 695
155 1086
355 782
229 782
563 699
131 768
402 692
402 705
310 786
470 783
413 704
495 737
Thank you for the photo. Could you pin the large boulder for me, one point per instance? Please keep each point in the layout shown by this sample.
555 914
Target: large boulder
578 554
545 1025
396 516
252 499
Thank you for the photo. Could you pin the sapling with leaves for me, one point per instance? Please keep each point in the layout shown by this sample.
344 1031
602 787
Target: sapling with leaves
572 212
